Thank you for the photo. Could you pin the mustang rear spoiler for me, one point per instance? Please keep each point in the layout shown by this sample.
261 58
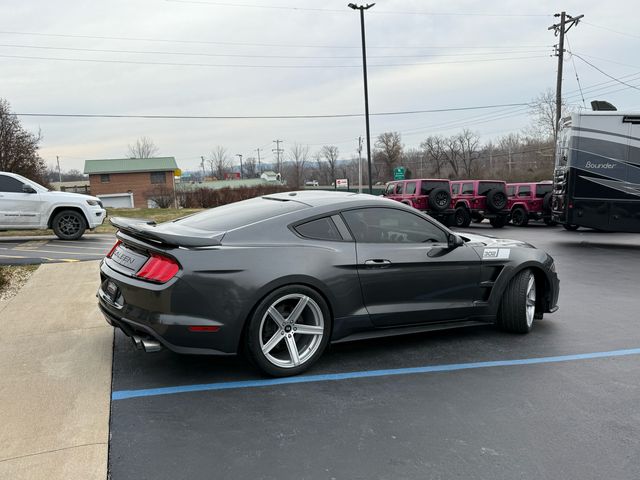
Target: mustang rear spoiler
167 233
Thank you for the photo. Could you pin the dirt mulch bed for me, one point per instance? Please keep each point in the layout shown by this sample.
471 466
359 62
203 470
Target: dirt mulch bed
12 278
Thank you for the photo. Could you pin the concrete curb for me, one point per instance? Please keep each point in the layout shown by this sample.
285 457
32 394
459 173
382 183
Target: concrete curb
55 377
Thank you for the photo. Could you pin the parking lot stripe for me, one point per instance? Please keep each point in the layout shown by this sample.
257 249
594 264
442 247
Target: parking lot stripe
152 392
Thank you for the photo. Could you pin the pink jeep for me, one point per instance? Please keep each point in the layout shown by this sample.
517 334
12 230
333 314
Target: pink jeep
432 196
479 199
530 201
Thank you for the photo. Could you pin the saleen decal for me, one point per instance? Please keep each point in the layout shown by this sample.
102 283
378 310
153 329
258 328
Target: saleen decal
496 253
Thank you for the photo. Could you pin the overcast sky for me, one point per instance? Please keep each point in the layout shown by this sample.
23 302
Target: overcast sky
267 57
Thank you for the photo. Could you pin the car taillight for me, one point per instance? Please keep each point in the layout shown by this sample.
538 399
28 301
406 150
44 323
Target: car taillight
158 269
113 249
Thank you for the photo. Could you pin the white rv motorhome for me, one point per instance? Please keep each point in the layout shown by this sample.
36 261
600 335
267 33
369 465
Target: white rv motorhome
597 172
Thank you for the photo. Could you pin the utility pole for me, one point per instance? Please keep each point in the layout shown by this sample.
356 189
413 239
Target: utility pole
240 155
59 174
560 29
259 164
202 166
278 151
359 164
362 8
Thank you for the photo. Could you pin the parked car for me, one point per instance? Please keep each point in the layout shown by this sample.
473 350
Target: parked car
479 199
281 276
311 183
26 205
530 201
431 196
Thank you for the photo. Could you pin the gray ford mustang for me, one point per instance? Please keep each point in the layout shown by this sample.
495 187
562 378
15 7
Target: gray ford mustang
281 276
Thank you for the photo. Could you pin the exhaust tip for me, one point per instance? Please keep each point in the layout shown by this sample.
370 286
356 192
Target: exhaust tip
151 345
137 341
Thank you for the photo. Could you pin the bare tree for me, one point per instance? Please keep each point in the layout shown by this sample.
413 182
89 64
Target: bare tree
18 147
298 156
143 148
249 167
322 169
452 154
219 162
389 151
433 148
543 110
469 143
330 154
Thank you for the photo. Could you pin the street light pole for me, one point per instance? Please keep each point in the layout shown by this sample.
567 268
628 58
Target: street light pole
362 8
240 155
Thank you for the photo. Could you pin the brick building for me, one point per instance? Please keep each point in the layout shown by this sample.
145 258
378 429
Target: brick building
132 182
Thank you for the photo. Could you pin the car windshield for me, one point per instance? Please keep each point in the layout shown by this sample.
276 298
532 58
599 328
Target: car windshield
484 187
240 214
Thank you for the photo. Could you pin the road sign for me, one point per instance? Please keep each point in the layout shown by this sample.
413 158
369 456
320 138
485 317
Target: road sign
342 183
398 173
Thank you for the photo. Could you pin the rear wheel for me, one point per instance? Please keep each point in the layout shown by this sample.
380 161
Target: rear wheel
462 217
570 227
288 331
519 217
498 222
518 306
69 225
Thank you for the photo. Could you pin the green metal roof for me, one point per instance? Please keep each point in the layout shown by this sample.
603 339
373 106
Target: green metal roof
129 165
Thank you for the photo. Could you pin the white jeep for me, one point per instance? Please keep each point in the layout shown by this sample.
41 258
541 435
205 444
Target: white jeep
25 205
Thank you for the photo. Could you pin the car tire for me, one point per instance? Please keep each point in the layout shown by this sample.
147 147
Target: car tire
274 342
462 217
439 199
546 203
496 200
519 217
498 222
518 306
69 225
477 218
570 227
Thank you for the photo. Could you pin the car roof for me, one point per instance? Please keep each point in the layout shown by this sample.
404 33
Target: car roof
319 198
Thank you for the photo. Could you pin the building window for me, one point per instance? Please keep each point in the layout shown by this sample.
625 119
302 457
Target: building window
105 178
158 177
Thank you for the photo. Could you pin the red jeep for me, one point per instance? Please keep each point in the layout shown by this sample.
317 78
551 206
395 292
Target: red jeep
530 201
432 196
479 199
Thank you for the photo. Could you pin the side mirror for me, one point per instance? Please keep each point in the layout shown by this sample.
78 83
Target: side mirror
454 241
28 188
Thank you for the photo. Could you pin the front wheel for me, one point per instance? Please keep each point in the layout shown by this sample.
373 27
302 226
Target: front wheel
570 227
288 331
69 225
462 217
519 217
518 307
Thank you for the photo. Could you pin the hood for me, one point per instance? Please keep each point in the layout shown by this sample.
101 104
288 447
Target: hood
473 240
76 196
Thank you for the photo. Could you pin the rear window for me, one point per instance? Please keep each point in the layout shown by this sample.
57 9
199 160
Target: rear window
484 187
320 229
455 188
542 190
239 214
411 188
511 190
426 187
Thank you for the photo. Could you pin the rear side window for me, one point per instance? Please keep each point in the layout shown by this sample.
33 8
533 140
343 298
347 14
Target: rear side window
511 190
427 187
455 188
9 184
411 188
542 190
467 189
484 187
320 229
524 191
239 214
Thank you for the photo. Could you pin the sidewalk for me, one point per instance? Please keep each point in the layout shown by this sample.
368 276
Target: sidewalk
55 377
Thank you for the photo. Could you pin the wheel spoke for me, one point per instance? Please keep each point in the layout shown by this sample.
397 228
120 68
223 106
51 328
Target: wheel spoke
297 310
275 315
531 302
309 329
272 342
293 350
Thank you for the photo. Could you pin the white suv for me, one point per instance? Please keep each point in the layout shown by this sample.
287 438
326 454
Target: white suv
25 205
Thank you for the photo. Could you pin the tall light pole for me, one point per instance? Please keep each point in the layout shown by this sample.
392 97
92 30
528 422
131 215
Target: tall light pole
362 8
240 155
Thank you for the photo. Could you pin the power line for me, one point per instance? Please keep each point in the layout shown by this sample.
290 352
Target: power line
573 61
328 10
201 54
626 34
211 65
257 117
604 73
246 44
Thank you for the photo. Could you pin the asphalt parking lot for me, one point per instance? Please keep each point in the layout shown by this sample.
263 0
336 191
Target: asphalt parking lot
471 403
50 249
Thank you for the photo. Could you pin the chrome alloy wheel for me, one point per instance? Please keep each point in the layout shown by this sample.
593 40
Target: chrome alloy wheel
291 330
531 300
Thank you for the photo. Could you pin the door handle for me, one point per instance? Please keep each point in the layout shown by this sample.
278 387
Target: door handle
377 262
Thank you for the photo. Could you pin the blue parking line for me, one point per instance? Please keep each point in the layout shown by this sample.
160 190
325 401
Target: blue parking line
203 387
